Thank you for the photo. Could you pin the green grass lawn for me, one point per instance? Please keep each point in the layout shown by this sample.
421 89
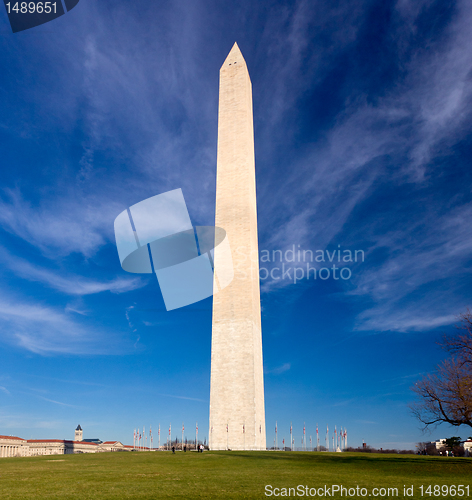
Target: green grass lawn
221 474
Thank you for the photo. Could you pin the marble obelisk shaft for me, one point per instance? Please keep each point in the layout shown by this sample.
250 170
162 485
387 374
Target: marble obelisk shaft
237 415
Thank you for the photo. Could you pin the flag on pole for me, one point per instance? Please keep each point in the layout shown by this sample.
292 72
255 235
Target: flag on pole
244 428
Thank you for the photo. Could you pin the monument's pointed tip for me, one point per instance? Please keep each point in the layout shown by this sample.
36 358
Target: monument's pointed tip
234 56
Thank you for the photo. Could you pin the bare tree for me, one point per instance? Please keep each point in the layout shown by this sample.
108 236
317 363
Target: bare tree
460 345
446 395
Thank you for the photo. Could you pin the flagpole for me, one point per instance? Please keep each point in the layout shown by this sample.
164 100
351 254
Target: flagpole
182 445
276 443
291 439
159 437
196 436
304 436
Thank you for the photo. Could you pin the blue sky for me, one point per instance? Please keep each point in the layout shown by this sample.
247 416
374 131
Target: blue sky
363 141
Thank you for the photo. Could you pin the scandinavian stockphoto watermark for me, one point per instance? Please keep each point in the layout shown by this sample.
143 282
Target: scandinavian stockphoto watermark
296 263
192 263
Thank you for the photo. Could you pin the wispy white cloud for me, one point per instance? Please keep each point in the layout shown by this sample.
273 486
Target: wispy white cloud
59 402
279 369
71 285
4 390
422 116
436 251
182 397
61 224
344 402
45 330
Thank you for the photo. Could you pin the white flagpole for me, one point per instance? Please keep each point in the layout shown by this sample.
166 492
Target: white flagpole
276 443
291 440
159 437
182 445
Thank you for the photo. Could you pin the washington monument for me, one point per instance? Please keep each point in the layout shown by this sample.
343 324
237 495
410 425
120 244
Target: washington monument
237 414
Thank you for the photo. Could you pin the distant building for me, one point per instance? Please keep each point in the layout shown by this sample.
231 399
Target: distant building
468 448
78 434
12 446
439 443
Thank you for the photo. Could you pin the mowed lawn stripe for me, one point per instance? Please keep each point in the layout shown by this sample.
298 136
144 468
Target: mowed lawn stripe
233 475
